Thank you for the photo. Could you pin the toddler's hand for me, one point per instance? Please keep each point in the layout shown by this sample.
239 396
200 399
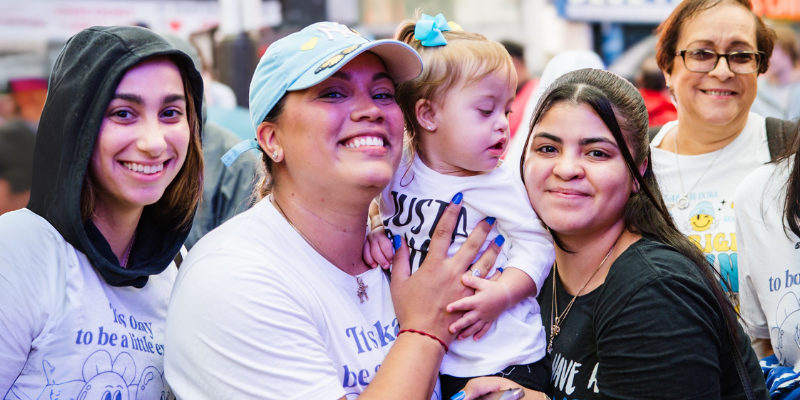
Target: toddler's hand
378 249
491 298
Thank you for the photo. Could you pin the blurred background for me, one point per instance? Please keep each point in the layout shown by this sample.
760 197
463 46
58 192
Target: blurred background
231 35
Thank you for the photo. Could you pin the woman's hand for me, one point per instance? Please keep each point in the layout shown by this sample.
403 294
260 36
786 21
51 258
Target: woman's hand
491 298
420 300
487 384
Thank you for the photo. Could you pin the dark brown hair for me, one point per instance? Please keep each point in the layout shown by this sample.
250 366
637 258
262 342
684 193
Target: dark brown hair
670 30
183 194
618 103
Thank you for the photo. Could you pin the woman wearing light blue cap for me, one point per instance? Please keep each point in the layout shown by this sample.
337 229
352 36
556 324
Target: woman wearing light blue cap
277 302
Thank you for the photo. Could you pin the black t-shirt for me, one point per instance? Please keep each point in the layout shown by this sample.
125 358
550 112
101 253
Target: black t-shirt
652 330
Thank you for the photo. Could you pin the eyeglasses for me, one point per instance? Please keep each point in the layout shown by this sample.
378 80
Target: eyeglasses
740 62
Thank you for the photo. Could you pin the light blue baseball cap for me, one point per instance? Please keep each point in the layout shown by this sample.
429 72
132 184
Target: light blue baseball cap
306 58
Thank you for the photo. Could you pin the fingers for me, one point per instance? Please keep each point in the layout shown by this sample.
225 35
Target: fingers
381 251
401 269
488 258
465 321
482 332
496 275
443 233
473 282
367 256
473 245
477 387
387 249
471 330
463 304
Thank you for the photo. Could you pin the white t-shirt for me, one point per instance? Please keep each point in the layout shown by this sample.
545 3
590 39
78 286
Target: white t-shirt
411 205
709 219
256 312
64 332
769 262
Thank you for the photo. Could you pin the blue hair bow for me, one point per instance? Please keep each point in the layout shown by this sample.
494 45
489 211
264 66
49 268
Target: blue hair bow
429 30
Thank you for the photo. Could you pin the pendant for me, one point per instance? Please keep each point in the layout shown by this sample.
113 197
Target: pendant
683 202
362 290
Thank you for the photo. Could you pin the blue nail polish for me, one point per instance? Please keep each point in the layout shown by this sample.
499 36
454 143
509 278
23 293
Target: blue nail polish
457 198
500 269
490 220
460 395
499 240
396 242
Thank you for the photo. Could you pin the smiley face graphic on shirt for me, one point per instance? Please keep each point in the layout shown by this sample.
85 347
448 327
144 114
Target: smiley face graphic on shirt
702 217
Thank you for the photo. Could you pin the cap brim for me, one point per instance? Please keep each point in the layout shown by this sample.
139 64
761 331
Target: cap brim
401 61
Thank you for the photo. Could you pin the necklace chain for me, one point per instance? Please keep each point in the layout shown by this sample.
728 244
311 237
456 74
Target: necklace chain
362 288
683 201
124 263
555 319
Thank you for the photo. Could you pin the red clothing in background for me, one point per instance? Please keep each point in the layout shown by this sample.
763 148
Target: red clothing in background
660 109
518 107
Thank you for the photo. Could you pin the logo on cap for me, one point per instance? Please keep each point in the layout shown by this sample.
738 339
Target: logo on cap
330 29
331 62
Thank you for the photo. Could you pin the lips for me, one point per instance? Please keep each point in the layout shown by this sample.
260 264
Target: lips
568 192
144 169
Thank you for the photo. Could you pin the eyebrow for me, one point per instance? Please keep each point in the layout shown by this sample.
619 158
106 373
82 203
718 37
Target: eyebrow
171 98
342 75
381 75
133 98
136 99
549 137
709 42
583 142
598 139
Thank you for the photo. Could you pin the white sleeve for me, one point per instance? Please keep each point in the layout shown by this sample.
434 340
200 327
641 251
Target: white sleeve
243 331
26 254
531 245
750 244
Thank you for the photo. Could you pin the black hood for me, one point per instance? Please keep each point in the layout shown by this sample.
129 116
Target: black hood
84 79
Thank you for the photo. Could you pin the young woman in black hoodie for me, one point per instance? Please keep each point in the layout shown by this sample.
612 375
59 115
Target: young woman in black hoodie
87 268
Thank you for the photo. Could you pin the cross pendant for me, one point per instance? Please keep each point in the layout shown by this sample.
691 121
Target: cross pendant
362 290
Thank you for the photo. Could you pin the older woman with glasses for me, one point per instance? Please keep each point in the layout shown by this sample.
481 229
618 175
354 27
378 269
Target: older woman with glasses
711 53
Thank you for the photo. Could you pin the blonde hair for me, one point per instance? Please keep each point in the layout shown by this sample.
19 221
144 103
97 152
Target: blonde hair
467 57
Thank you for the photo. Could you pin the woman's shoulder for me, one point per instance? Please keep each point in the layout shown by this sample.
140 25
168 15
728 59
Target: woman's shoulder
28 239
653 276
648 262
255 244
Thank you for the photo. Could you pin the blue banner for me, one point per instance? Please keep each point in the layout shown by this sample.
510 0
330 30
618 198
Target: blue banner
630 11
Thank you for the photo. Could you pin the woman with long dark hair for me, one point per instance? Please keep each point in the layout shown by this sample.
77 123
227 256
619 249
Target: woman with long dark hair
632 308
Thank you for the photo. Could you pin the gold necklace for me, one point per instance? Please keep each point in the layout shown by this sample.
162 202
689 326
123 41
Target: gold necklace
556 321
362 288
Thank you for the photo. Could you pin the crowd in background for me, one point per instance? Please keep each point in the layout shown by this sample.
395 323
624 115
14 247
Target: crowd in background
686 138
